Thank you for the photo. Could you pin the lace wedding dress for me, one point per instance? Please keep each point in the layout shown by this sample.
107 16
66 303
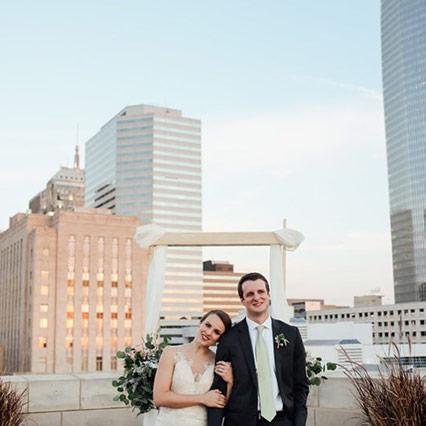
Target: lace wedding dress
187 383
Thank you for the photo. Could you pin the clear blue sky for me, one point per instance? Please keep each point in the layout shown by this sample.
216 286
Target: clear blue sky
289 93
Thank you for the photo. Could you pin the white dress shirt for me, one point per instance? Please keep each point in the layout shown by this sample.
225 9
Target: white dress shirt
269 342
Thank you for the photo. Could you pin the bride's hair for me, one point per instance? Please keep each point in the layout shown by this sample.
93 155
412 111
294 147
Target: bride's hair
225 318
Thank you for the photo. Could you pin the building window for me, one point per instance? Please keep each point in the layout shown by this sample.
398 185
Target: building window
85 319
44 307
43 322
42 342
43 364
98 363
84 363
44 290
113 362
70 288
114 289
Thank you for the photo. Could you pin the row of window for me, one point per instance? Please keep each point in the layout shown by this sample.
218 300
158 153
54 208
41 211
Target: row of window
365 314
393 334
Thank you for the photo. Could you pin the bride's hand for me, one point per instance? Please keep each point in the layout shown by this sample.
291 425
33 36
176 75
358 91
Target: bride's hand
214 399
224 370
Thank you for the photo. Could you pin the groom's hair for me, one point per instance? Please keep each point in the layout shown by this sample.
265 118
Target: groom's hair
251 276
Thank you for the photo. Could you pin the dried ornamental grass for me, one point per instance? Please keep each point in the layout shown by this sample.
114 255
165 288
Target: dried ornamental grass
12 405
397 397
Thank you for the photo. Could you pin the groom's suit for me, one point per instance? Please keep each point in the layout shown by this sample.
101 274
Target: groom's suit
242 408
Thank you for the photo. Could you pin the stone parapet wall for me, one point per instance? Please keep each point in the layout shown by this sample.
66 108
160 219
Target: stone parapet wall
87 400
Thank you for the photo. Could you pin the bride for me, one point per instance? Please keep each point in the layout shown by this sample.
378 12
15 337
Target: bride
185 374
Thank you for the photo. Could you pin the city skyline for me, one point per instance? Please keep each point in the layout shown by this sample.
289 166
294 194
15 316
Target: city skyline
264 79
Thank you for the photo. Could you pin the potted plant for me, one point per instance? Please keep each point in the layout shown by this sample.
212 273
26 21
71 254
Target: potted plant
395 397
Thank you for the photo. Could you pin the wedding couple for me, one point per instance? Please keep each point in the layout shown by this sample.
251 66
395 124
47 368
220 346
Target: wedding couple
257 376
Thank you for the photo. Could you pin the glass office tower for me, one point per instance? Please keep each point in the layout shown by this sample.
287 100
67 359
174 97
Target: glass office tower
404 89
146 162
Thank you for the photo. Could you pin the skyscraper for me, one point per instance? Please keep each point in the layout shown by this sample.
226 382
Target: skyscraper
65 190
404 89
146 162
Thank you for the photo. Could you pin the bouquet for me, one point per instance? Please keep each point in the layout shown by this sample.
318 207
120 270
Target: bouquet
135 386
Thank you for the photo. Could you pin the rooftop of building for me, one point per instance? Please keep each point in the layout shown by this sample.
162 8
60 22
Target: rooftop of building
398 306
69 174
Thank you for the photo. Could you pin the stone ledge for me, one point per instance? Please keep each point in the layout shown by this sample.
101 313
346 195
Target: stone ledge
53 392
87 399
335 417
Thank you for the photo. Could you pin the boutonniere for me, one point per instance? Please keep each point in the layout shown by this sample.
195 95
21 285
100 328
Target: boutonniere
281 341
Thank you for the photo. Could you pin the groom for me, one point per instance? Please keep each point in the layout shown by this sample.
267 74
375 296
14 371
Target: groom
268 361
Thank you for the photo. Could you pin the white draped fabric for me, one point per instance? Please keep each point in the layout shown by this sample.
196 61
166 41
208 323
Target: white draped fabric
146 236
290 240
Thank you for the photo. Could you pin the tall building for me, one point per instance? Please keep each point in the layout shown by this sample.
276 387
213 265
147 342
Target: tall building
146 162
65 190
71 290
404 89
220 287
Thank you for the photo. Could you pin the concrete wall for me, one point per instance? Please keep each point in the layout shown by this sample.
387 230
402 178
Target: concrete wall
86 400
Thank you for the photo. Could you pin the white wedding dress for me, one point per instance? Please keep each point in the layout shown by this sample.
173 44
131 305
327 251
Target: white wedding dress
186 383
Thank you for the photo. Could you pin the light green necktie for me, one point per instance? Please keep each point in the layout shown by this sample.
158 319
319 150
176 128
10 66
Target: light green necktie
267 405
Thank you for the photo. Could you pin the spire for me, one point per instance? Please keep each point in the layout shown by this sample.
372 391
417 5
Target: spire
76 158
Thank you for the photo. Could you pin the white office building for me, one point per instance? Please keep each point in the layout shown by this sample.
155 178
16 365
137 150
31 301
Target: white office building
146 162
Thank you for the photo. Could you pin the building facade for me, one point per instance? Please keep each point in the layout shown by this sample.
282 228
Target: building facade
400 323
403 25
220 287
146 162
65 190
71 290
